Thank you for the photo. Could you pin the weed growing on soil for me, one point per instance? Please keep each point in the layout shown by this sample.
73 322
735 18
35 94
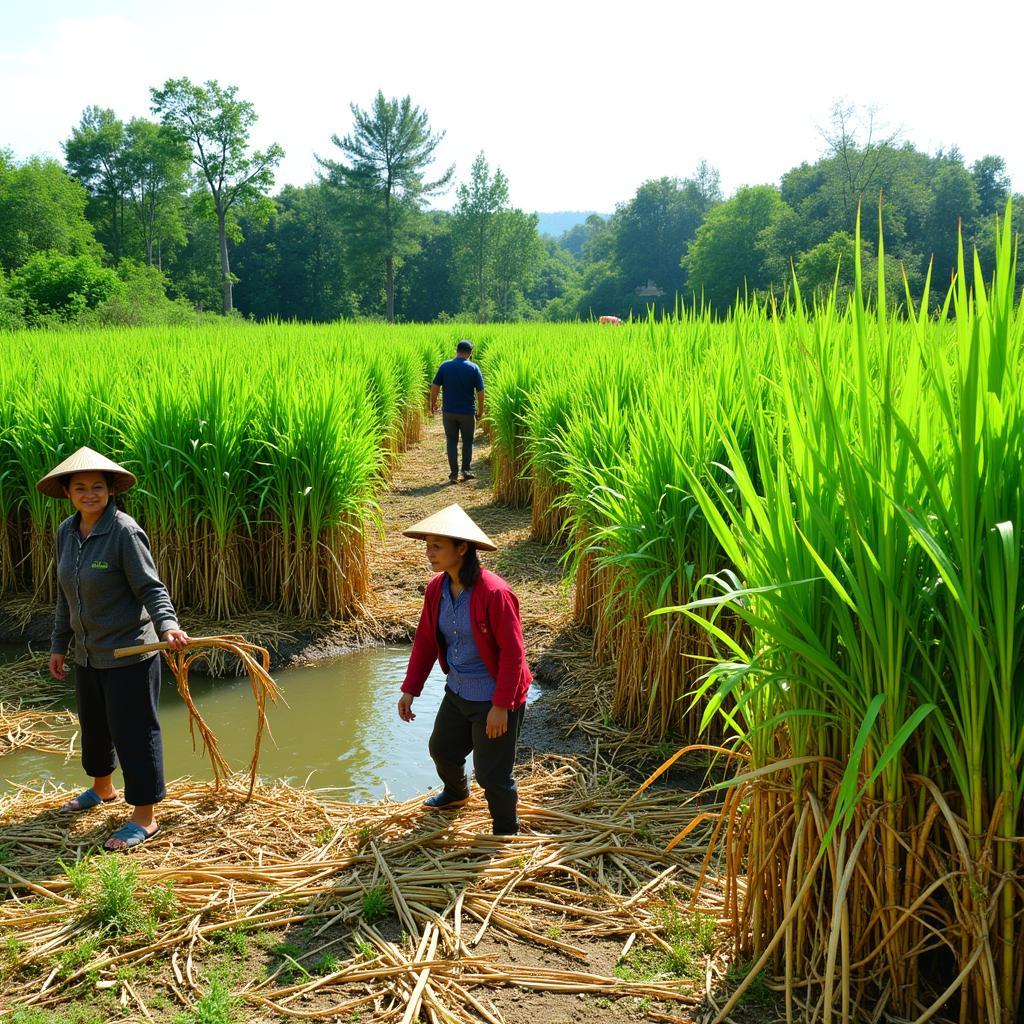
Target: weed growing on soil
77 955
111 885
376 903
232 941
71 1015
115 900
79 875
365 949
289 969
164 901
218 1006
327 964
758 992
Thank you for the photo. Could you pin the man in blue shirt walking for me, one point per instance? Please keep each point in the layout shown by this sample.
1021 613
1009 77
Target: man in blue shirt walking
463 387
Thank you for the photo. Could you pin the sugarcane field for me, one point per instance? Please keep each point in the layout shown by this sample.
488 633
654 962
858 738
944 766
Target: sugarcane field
771 598
511 515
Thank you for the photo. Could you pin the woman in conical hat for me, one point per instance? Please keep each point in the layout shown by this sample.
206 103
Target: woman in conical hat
470 623
110 596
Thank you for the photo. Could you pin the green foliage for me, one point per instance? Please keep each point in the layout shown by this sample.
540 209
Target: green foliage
53 286
75 1013
115 902
376 903
727 256
327 964
41 208
380 183
758 993
217 1006
211 120
141 300
78 955
233 941
474 230
80 875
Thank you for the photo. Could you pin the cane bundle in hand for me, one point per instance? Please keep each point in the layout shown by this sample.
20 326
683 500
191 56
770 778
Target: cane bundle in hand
259 677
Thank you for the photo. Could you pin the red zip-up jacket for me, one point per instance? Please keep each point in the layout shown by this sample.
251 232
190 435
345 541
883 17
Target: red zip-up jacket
497 633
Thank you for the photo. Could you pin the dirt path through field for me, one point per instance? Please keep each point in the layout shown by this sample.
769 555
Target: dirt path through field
419 486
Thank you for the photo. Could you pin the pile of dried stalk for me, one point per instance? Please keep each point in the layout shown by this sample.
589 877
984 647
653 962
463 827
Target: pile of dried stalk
30 713
295 861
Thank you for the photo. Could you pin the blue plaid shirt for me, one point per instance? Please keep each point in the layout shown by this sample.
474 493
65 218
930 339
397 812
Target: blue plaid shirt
467 674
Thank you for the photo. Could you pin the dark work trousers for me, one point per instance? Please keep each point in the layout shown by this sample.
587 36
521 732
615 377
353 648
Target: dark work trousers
454 424
117 710
460 727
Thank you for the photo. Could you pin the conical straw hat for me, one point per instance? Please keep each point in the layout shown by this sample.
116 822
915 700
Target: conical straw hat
451 522
85 460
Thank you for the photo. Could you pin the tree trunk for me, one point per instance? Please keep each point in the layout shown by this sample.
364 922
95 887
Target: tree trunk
225 268
389 269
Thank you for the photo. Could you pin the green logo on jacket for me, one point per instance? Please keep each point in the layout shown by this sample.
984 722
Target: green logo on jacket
99 565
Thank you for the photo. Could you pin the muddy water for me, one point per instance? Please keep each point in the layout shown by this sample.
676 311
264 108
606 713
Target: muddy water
340 728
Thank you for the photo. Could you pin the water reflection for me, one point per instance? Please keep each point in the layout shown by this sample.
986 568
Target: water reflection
340 728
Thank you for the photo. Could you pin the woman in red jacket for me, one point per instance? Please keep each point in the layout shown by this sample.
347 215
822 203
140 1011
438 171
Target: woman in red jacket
470 623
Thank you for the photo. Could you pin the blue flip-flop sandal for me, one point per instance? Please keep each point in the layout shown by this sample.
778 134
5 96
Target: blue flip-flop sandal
131 835
86 800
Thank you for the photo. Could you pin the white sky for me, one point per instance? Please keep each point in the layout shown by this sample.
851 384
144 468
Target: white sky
578 102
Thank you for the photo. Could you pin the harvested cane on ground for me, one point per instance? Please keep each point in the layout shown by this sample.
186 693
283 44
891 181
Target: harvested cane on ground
259 677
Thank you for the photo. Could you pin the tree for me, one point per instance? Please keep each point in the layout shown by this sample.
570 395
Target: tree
41 207
727 255
954 204
95 155
155 164
429 286
654 229
518 252
992 184
555 290
861 151
474 226
294 266
577 237
381 181
216 124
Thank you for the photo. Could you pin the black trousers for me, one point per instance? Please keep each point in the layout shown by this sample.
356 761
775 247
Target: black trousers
454 425
461 728
117 711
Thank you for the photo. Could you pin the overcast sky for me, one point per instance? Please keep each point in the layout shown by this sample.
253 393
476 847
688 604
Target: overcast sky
578 107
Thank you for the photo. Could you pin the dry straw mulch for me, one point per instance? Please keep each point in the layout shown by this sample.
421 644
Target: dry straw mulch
292 859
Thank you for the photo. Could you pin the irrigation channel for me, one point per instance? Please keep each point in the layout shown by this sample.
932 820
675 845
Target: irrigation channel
333 904
337 729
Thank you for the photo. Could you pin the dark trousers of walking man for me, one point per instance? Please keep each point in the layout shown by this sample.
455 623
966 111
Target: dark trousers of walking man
455 424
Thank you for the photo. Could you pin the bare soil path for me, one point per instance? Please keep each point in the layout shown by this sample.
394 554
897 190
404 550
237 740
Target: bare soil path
419 486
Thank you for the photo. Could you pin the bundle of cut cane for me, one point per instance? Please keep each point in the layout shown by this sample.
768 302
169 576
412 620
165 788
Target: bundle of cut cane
255 660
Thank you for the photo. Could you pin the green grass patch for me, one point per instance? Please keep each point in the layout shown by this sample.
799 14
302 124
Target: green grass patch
376 903
217 1006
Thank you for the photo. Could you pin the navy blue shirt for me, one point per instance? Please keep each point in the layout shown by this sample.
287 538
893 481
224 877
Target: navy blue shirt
459 380
467 674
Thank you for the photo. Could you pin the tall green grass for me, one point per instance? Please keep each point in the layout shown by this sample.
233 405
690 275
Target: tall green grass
258 452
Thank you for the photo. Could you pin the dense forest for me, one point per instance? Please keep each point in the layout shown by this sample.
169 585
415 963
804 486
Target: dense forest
175 217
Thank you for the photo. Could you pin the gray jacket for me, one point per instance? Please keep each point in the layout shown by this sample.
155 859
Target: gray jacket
109 594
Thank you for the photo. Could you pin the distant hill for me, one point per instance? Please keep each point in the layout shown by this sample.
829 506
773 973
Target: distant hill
556 224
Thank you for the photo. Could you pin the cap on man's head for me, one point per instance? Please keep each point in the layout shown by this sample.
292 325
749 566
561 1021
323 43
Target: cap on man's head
465 345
